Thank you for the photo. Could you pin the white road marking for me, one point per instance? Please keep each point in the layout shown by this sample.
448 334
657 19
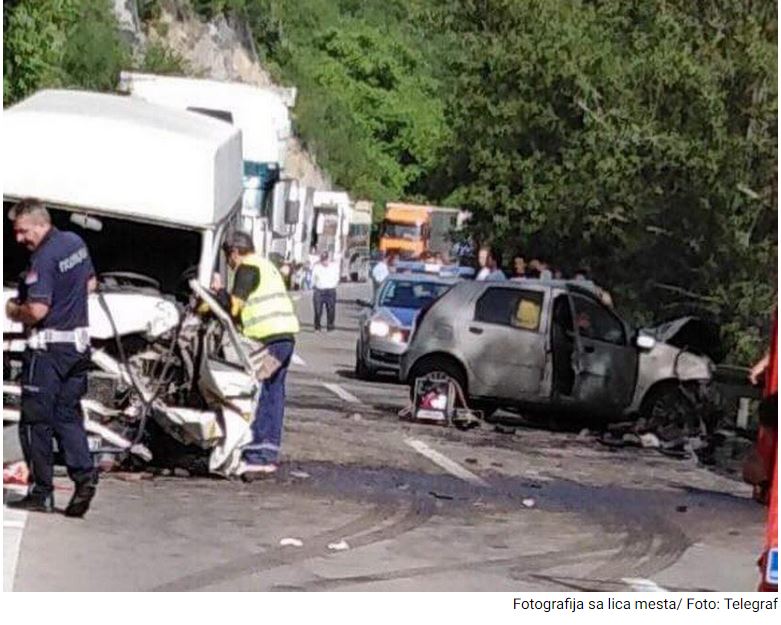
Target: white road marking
446 463
339 391
297 360
13 528
13 524
640 584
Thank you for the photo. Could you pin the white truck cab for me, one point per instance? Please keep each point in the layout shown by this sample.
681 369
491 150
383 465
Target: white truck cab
152 191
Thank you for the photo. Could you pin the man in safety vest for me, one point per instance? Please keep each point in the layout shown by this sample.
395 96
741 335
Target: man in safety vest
257 299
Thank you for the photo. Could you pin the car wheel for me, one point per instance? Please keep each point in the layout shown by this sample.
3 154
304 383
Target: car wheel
362 370
670 413
438 369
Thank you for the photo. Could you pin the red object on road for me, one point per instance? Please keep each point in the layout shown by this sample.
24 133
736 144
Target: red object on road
16 474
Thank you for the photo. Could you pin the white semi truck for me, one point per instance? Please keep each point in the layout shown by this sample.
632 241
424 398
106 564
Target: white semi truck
272 201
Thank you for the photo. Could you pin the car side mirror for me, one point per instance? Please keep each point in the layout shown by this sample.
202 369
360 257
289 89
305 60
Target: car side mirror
364 303
645 342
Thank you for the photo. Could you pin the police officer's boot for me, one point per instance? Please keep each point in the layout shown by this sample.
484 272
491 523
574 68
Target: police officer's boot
33 503
82 496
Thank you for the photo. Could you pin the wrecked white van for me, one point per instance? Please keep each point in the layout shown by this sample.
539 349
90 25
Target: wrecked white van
152 191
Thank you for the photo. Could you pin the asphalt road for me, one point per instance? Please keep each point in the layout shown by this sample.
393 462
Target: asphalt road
381 504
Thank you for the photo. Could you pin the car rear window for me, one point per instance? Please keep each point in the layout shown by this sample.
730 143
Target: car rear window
510 307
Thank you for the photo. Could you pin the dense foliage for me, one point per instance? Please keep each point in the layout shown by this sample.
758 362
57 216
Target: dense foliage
637 137
60 43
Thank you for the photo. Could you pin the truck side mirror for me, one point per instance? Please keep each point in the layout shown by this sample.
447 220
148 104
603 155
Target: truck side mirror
292 209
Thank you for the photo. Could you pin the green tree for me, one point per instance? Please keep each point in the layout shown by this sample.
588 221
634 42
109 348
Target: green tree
635 137
59 43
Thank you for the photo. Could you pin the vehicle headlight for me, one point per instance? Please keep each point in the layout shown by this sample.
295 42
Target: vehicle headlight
379 328
397 336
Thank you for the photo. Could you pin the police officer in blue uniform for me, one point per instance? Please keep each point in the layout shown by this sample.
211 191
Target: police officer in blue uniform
52 305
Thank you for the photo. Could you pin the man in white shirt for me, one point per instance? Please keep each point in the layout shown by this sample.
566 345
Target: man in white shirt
482 261
325 279
379 273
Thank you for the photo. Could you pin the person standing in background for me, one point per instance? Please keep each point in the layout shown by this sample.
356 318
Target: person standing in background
380 271
325 279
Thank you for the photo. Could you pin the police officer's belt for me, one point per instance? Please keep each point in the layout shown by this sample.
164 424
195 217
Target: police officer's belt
79 337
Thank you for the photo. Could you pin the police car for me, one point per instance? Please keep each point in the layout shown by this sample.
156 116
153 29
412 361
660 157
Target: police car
386 323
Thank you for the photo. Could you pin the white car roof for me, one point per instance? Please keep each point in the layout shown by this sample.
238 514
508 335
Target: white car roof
261 114
116 155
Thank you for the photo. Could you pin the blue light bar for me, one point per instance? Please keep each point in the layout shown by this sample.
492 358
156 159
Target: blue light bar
419 266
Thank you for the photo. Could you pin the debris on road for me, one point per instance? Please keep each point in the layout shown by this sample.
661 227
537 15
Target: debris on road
584 433
631 439
440 495
301 475
342 545
649 440
681 508
470 460
130 476
529 502
291 542
16 473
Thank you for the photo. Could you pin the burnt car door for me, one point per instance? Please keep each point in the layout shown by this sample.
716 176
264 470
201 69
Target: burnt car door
506 343
605 361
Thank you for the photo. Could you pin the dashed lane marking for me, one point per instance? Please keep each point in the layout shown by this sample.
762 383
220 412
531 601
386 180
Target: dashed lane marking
640 584
340 392
446 463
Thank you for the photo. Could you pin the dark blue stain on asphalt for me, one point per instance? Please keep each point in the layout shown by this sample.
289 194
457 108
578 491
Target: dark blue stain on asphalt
508 493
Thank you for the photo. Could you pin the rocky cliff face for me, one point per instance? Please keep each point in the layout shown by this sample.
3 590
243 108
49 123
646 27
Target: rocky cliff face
219 50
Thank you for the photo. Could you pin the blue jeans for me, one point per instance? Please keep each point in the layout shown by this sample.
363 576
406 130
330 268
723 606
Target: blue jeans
267 426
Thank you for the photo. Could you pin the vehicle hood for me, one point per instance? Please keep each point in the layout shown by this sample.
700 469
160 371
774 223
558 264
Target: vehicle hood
693 334
403 317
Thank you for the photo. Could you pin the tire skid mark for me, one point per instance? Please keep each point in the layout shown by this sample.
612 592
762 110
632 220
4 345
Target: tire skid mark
382 523
280 556
539 561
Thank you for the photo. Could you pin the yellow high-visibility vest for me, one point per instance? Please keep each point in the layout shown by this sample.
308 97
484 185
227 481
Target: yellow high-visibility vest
268 310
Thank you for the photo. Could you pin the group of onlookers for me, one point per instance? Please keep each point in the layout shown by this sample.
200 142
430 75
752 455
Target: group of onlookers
489 262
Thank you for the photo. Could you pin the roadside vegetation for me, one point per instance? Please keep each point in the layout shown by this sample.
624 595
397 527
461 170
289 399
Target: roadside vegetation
635 138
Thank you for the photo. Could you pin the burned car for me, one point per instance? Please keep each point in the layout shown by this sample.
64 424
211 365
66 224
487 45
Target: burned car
534 345
152 192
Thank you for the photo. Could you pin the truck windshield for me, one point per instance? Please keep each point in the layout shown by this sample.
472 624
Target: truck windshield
394 230
407 294
166 254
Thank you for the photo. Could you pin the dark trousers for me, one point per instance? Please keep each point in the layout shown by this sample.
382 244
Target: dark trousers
327 298
270 413
53 383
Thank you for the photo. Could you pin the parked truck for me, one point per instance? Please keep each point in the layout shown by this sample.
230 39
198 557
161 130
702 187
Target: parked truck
355 260
417 230
271 202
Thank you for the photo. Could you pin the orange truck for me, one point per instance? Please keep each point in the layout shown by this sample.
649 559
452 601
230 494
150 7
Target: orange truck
416 230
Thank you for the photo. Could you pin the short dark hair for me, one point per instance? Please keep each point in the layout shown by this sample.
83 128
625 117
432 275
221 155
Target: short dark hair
29 206
238 240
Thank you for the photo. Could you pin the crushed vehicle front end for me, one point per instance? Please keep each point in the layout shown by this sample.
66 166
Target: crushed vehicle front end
676 391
